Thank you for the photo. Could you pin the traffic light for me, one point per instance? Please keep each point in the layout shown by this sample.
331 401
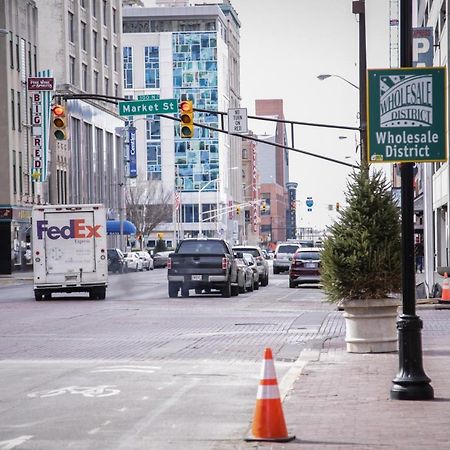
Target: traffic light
238 210
337 206
263 206
59 121
187 119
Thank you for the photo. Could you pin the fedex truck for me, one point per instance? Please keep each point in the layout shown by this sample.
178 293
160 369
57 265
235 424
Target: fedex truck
69 250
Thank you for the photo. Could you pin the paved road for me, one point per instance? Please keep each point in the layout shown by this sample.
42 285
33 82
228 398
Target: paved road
142 371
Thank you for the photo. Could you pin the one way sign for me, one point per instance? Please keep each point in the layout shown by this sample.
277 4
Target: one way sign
237 120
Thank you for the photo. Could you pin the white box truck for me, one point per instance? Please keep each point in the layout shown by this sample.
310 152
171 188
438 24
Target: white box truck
69 250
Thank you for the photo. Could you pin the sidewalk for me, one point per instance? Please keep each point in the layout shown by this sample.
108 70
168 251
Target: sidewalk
342 400
24 277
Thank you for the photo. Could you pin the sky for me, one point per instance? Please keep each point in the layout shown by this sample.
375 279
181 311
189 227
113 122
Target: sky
284 45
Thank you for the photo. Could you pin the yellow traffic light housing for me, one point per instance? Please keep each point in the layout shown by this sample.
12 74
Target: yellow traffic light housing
238 210
187 119
59 122
337 206
263 206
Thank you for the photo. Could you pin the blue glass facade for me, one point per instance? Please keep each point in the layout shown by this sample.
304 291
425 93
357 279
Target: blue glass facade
195 78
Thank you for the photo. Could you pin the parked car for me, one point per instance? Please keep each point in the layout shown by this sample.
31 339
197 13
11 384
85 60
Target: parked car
283 255
305 267
261 261
133 261
251 262
147 260
160 259
116 261
245 275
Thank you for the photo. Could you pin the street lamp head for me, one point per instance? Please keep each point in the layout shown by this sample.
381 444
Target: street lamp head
323 76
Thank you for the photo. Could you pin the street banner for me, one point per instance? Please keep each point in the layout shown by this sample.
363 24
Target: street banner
422 46
132 161
41 90
407 115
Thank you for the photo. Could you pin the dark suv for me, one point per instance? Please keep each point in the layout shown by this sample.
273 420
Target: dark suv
116 261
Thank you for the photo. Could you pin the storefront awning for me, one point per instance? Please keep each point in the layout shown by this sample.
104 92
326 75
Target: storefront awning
113 227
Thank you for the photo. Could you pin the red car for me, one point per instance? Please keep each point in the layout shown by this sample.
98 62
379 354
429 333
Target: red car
305 267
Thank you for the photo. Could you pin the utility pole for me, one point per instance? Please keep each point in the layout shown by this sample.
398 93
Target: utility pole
359 7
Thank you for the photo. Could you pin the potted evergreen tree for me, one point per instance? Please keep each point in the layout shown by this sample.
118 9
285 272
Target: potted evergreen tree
361 263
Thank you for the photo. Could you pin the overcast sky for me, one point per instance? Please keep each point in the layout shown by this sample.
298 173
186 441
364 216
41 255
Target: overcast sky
285 44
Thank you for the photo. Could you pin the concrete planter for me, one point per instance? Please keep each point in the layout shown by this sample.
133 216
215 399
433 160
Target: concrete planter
371 325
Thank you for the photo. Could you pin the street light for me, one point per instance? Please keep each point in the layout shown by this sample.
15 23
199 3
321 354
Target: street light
362 111
325 76
200 214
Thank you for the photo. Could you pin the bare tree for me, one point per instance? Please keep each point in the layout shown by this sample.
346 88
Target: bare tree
148 204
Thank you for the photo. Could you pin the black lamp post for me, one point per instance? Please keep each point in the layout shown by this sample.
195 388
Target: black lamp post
411 382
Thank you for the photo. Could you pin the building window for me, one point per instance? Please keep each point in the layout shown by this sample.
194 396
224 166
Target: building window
83 36
35 59
105 52
14 172
95 44
71 70
115 56
20 174
106 86
71 28
105 10
19 113
94 8
18 53
151 61
11 50
30 61
116 90
83 3
114 20
13 115
84 70
153 128
95 82
153 161
127 67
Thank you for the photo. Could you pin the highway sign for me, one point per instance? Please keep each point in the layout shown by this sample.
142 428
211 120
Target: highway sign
237 120
144 107
407 116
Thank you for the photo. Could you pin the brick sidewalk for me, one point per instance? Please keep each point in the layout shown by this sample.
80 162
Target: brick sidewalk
342 401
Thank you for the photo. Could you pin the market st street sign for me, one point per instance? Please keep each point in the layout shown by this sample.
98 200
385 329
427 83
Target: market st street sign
144 107
407 118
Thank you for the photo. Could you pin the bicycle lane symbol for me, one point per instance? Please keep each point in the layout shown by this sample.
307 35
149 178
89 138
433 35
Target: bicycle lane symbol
100 391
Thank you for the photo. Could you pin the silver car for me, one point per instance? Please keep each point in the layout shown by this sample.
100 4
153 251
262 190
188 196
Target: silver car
261 262
283 256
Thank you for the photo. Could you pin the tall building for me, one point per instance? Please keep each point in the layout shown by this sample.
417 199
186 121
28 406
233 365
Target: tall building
18 60
174 50
273 166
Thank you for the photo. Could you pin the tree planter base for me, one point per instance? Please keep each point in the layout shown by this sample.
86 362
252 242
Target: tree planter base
371 325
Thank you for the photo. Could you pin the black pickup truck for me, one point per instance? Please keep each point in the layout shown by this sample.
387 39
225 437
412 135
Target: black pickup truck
202 264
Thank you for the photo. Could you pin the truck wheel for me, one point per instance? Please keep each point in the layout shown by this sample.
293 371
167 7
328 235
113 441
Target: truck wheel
226 290
242 289
184 291
234 291
198 291
291 284
101 293
173 290
37 296
275 270
47 296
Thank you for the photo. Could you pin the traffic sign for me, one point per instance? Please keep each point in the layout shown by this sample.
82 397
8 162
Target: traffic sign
407 118
144 107
237 120
148 97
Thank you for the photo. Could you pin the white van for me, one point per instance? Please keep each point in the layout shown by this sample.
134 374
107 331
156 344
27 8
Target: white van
69 250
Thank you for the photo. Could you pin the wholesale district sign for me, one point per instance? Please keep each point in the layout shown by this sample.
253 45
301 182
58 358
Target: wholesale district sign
407 118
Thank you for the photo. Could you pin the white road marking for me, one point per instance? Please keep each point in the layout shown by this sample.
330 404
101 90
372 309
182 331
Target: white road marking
135 369
86 391
12 443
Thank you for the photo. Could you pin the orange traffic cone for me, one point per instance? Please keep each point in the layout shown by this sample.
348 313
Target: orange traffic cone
445 296
268 420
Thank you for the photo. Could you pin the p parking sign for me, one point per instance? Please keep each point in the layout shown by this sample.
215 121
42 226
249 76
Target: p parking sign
407 118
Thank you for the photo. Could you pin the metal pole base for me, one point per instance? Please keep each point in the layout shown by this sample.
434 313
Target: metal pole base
411 382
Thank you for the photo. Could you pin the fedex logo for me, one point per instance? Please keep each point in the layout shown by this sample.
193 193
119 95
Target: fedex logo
75 230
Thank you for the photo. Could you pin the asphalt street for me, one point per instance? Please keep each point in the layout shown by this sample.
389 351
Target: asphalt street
142 371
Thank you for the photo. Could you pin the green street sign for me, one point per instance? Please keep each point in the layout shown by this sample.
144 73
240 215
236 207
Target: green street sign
144 107
406 115
148 97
